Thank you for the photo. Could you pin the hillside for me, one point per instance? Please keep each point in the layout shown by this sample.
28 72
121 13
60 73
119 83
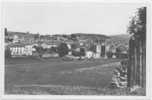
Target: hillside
120 37
91 36
117 40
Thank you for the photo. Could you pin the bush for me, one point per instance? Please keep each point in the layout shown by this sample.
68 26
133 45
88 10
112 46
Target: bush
53 49
82 51
119 79
62 49
75 53
7 53
109 54
40 50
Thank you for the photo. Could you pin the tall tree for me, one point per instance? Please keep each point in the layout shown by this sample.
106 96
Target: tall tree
137 50
137 25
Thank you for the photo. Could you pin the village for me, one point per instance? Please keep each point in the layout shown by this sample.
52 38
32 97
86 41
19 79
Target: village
74 46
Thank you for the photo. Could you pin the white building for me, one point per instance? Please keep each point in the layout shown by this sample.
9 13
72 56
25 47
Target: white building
69 46
48 45
98 51
89 54
21 50
15 39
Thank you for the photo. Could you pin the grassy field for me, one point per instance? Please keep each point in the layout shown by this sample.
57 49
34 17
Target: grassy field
55 76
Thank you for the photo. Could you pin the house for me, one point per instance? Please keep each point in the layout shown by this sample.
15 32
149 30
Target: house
47 45
20 37
21 49
89 54
98 51
96 55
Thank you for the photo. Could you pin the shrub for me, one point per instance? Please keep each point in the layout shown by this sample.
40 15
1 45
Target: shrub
109 54
62 49
119 78
7 53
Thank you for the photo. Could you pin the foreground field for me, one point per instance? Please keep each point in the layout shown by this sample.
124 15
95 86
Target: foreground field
55 76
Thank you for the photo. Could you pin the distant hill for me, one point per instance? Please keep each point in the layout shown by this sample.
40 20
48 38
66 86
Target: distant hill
91 36
120 36
121 39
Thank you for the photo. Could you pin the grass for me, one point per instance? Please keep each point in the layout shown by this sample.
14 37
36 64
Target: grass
71 90
57 77
64 90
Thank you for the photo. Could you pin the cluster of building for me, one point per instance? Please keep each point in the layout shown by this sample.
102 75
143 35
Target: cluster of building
24 43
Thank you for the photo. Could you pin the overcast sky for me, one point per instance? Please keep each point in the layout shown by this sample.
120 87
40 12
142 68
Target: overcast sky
65 18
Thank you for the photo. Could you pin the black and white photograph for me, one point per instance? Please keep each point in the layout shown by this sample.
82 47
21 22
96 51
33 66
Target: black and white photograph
75 48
